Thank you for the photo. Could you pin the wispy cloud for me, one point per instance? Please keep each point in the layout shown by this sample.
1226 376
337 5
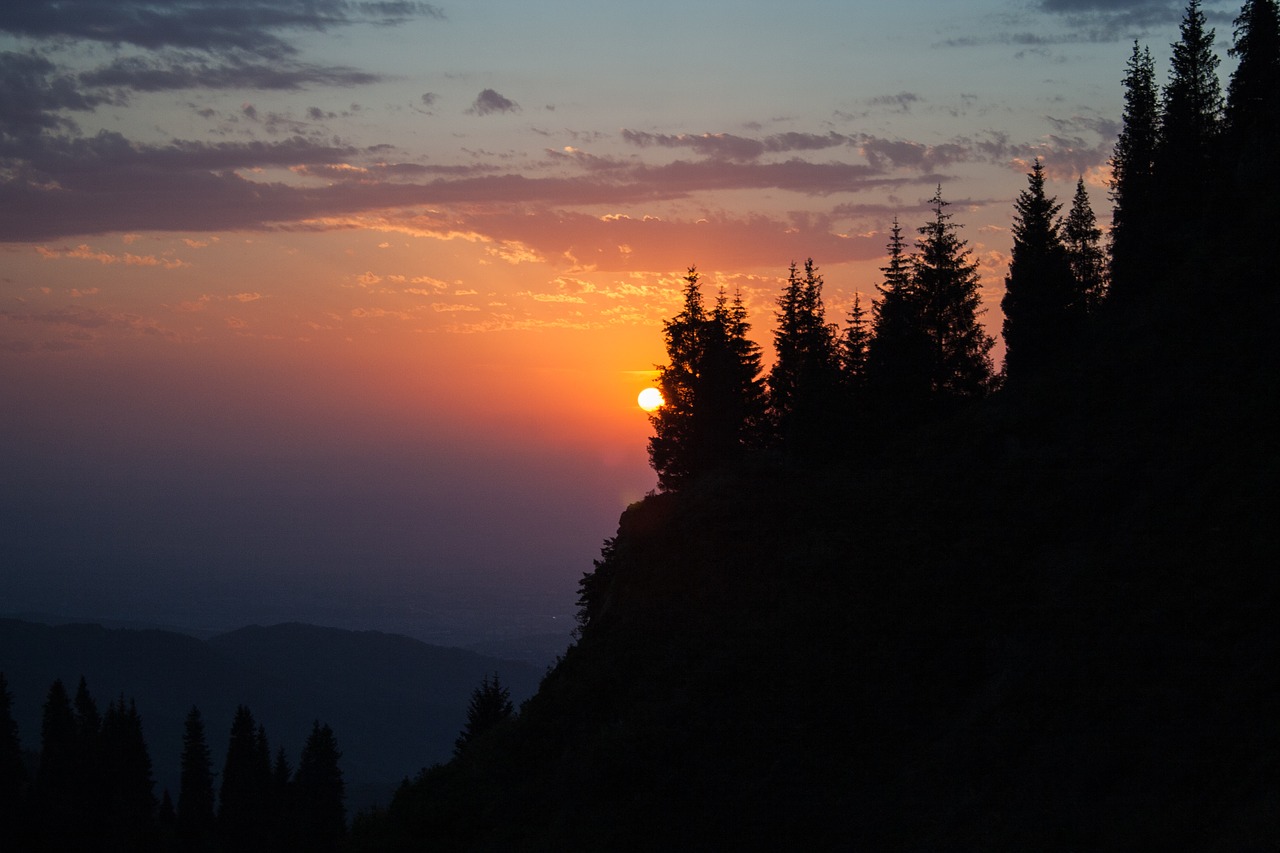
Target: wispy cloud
253 26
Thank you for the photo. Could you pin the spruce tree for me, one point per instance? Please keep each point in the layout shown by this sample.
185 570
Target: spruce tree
490 706
1041 312
897 355
243 821
853 345
804 381
945 280
13 774
57 809
1252 135
1083 241
195 812
319 793
672 447
1133 188
93 786
127 764
1252 117
712 400
731 408
1192 114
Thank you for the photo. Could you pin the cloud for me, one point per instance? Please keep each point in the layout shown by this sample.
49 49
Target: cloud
489 101
884 154
185 44
84 252
158 74
902 101
32 91
1121 20
252 26
727 146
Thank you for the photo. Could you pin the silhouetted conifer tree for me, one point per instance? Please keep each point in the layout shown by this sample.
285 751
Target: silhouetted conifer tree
1191 118
319 793
732 398
897 355
490 706
711 393
1133 189
1041 311
13 774
672 448
243 820
195 813
167 823
58 817
804 381
945 280
853 345
127 765
1253 92
1187 169
1252 132
1083 241
92 782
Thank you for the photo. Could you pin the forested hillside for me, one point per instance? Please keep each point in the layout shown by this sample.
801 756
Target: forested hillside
888 598
391 703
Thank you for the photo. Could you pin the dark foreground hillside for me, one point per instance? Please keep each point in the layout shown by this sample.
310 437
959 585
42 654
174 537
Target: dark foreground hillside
1048 621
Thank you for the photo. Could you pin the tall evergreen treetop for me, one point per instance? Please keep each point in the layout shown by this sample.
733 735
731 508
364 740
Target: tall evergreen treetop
1192 106
897 354
131 796
805 375
243 818
945 280
854 343
712 395
1253 92
1083 241
13 774
1253 134
1039 303
1133 173
319 793
490 706
195 812
671 449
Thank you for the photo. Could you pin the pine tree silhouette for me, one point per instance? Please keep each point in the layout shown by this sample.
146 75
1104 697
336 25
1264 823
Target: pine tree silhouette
945 281
712 401
319 793
13 774
1082 239
490 706
1041 310
195 813
804 381
243 821
127 764
58 818
1133 189
898 353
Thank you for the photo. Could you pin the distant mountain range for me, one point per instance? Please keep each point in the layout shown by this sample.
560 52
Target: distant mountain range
395 703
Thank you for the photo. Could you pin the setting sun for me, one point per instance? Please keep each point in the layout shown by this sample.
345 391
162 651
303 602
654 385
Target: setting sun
650 399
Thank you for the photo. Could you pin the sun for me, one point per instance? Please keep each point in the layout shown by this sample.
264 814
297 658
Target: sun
650 399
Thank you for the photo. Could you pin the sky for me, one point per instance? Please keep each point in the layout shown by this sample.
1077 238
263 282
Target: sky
338 311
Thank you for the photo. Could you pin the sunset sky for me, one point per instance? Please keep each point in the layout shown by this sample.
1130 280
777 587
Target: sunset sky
338 311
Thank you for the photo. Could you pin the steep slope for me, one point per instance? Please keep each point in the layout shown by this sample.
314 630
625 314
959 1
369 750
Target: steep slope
1045 622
